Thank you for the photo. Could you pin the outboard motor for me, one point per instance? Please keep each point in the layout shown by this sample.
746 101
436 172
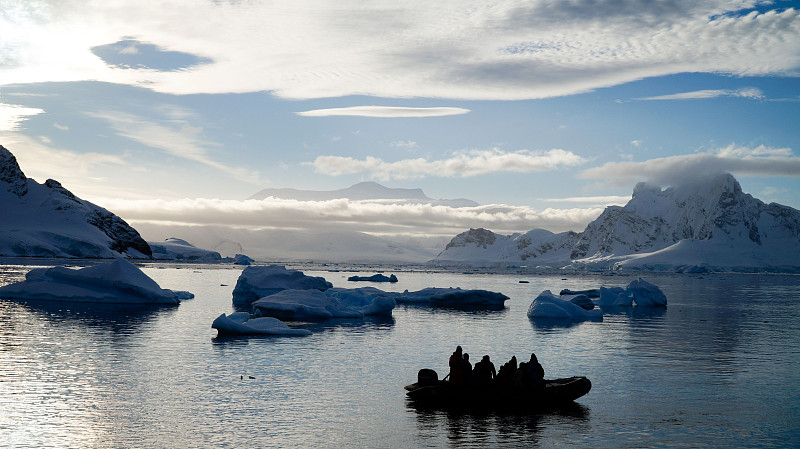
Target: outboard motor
427 377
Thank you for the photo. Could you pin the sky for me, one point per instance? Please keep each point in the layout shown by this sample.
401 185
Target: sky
542 111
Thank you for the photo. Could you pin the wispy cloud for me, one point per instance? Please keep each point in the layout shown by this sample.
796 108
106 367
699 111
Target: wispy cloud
175 136
371 217
746 92
460 164
40 161
11 116
384 112
467 49
737 160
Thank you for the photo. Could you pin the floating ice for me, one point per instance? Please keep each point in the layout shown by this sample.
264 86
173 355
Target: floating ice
374 278
614 297
260 281
548 305
303 305
452 297
370 301
646 294
117 282
240 323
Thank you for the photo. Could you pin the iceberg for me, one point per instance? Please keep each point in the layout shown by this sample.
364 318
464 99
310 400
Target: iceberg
548 305
644 293
370 301
303 305
374 278
259 281
116 282
614 297
452 297
241 323
641 292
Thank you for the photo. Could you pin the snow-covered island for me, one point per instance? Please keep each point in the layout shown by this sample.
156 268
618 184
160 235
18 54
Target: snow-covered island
47 220
115 282
179 249
708 225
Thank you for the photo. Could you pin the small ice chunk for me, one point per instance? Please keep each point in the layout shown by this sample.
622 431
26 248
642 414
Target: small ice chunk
646 294
116 282
548 305
240 323
259 281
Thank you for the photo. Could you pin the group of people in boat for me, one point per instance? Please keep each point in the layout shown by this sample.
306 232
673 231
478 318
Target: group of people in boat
528 374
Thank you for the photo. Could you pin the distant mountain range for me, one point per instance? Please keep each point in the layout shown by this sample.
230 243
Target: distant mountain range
47 220
708 225
363 191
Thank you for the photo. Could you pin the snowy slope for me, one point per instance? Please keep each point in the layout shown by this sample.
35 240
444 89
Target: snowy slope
179 249
47 220
710 224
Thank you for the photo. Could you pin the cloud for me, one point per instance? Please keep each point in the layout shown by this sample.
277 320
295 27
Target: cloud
746 92
461 164
384 112
343 214
40 161
398 49
737 160
608 200
175 136
11 116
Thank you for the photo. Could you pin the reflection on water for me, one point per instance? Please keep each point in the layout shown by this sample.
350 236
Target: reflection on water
488 428
718 367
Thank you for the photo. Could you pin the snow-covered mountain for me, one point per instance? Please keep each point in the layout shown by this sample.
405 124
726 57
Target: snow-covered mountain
47 220
709 224
363 191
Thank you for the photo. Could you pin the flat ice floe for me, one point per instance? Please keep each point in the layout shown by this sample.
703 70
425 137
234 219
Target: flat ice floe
452 297
241 323
316 305
116 282
259 281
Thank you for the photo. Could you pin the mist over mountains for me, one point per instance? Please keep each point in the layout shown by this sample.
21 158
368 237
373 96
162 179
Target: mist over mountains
363 191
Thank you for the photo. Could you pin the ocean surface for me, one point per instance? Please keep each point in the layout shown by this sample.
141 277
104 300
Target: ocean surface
719 367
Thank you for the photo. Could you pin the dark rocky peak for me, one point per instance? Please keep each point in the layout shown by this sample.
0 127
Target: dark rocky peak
479 237
11 175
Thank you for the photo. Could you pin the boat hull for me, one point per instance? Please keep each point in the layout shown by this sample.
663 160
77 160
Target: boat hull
554 393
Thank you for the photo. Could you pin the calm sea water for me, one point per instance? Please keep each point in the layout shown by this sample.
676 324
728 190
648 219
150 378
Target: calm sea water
719 367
